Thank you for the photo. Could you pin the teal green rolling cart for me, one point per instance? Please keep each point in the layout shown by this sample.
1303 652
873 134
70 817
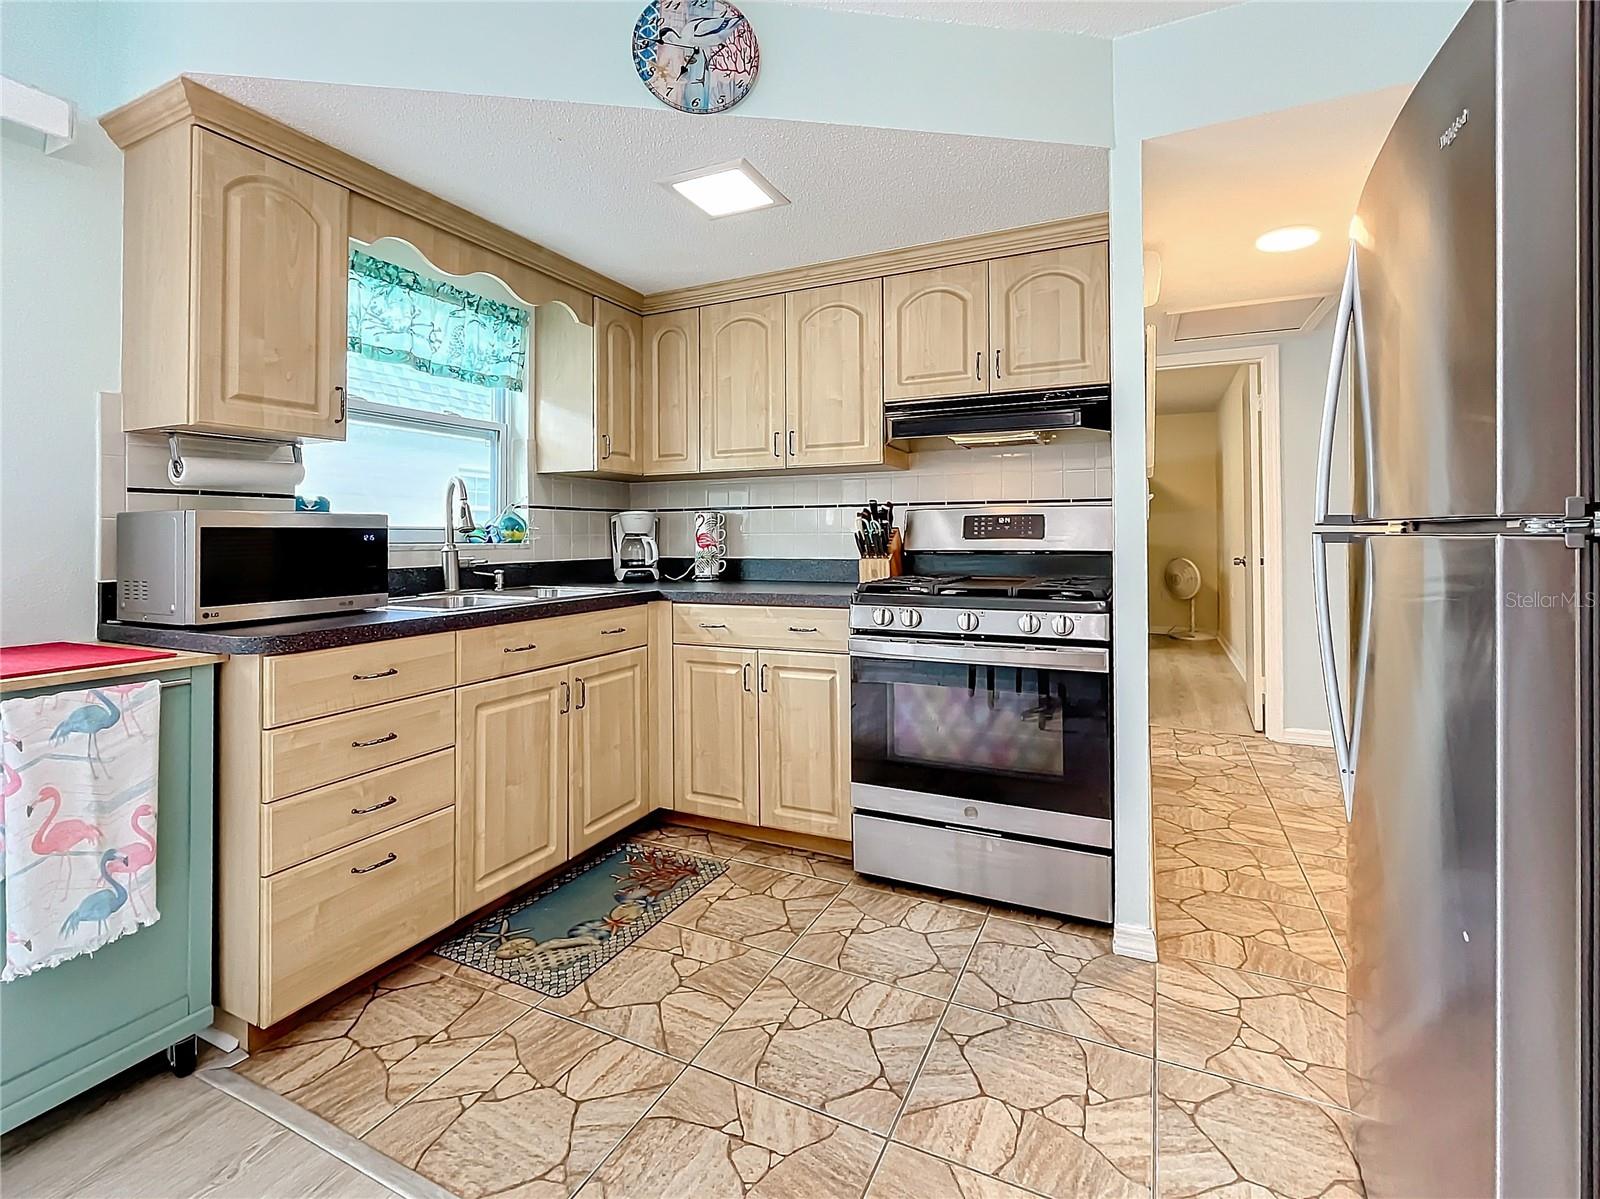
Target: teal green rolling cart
65 1029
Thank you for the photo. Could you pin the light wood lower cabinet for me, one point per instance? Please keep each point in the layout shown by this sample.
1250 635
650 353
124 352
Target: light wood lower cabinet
511 783
547 765
609 746
804 701
763 738
717 767
345 912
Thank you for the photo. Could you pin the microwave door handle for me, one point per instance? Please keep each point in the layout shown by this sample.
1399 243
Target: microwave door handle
1330 401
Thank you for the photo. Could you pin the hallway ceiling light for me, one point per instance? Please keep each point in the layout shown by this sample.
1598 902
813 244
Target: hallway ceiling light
726 189
1288 239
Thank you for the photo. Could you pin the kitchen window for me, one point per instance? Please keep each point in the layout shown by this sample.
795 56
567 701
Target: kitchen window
433 371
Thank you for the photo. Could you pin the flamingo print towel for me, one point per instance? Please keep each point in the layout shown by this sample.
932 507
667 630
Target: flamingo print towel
80 820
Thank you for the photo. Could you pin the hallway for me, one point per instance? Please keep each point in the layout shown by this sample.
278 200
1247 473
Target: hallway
1194 686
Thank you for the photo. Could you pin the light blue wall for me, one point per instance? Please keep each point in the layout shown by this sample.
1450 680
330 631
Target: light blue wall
60 275
818 65
1236 62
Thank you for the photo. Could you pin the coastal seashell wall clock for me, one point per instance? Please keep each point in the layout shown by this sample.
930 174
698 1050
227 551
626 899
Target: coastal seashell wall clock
696 55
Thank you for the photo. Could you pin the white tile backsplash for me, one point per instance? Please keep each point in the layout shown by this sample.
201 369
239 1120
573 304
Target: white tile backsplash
812 516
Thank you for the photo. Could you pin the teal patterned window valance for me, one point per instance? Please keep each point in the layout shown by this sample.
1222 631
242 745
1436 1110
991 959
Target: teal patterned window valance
397 315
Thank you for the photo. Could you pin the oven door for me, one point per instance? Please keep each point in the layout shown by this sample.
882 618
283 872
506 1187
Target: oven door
1000 738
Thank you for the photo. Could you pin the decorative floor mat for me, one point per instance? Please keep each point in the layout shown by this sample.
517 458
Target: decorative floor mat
555 939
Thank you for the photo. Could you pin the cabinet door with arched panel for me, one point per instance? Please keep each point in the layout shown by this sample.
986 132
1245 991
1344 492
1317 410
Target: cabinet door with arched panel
270 268
835 389
742 414
936 332
1050 319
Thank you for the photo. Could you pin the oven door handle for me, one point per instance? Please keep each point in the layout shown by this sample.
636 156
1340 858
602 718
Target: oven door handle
1091 659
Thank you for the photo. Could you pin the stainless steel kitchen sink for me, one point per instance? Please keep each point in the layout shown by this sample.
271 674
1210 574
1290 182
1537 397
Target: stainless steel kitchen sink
463 601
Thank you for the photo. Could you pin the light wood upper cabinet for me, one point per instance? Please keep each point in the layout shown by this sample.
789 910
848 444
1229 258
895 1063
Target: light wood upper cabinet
742 410
1050 318
805 742
717 763
834 342
235 279
610 742
670 419
936 332
511 783
618 335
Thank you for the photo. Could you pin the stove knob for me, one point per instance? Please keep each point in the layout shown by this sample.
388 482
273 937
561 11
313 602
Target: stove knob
882 616
910 617
966 621
1062 625
1028 623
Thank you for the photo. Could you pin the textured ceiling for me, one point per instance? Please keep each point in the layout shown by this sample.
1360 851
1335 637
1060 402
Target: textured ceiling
1098 18
583 178
1209 193
1191 388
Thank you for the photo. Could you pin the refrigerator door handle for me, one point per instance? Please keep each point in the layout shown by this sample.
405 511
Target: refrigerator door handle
1343 757
1330 403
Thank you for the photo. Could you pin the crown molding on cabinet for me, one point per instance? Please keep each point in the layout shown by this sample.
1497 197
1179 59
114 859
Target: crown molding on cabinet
183 99
1052 235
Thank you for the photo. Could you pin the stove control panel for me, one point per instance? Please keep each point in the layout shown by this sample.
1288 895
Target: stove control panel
1003 526
978 625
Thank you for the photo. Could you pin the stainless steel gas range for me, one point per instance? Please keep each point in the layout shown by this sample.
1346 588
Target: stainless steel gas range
981 708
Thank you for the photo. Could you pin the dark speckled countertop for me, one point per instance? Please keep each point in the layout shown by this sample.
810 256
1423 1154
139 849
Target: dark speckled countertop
330 632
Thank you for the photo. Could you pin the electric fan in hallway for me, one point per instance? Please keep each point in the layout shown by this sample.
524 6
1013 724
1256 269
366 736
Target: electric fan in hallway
1182 578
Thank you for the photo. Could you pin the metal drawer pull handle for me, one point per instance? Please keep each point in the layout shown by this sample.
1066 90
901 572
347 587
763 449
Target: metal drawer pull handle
713 626
520 649
382 674
583 693
375 741
611 632
777 443
744 672
566 697
393 799
794 628
977 370
764 668
368 869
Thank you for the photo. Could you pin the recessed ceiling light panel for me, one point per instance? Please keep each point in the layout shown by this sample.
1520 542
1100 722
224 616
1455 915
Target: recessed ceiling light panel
726 189
1288 239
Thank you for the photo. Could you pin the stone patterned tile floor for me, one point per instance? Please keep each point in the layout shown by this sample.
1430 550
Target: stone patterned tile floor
799 1031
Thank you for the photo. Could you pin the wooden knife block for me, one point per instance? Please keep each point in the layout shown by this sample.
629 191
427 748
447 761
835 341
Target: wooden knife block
883 568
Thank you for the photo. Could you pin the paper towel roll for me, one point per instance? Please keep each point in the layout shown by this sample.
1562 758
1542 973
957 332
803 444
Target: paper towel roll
216 473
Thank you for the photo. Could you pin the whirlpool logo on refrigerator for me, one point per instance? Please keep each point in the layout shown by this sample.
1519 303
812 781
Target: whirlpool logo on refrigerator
1453 130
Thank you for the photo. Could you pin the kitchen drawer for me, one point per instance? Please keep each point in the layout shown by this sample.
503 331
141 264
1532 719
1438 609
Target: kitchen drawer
301 756
303 686
298 829
506 649
337 916
825 629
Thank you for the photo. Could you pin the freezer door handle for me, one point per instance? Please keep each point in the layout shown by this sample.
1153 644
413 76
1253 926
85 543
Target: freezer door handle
1346 315
1330 671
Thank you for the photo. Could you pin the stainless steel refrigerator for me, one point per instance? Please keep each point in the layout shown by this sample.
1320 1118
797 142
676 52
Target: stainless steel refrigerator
1464 716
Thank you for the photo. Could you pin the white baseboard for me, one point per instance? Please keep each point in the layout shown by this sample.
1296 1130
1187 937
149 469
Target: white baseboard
1233 656
1134 941
1305 737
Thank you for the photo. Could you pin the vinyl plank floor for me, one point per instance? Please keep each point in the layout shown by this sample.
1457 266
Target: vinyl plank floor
1194 686
147 1134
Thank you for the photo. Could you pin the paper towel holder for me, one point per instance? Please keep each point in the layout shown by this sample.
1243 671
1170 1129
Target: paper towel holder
176 453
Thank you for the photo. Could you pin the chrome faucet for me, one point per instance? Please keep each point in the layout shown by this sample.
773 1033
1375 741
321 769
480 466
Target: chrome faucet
457 519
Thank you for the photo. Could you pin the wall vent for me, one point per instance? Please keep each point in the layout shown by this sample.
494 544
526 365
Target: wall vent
1292 314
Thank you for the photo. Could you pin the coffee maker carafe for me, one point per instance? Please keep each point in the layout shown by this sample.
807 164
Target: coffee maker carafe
633 546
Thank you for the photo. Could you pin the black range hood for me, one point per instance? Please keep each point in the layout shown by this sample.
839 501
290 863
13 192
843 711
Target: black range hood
1017 418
